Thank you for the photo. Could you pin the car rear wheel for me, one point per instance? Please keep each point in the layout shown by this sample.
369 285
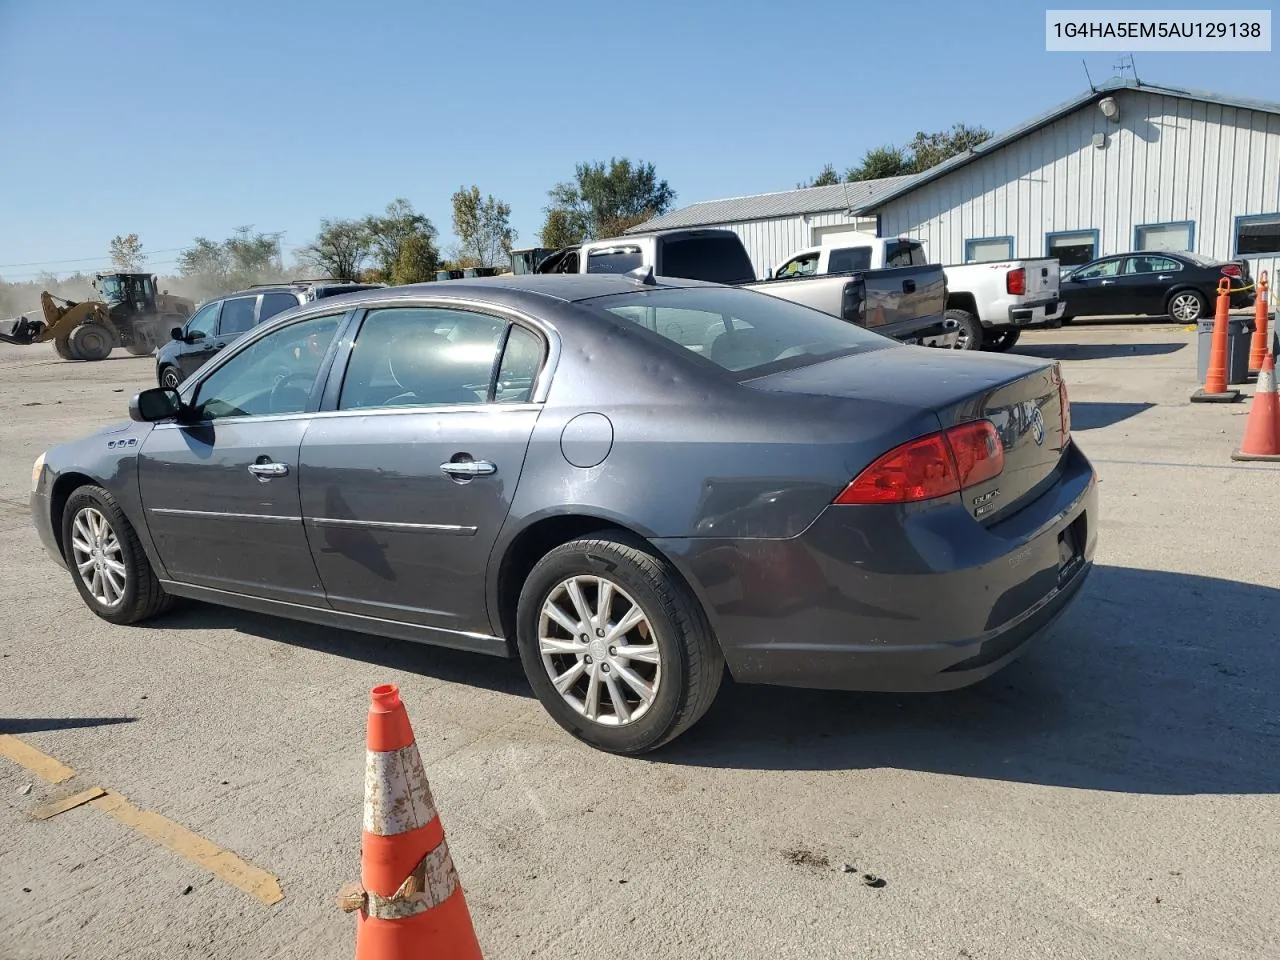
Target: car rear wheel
615 645
970 329
1186 306
1000 341
107 562
170 377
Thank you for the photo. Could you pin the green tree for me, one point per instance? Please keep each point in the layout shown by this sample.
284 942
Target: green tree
559 230
483 226
602 198
417 263
387 235
212 267
887 161
126 253
930 149
339 249
827 177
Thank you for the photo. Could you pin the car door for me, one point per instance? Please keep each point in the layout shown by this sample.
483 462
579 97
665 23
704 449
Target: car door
198 337
1145 280
409 473
220 489
1090 291
237 318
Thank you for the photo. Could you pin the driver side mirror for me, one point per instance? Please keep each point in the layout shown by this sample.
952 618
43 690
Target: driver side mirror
176 334
157 403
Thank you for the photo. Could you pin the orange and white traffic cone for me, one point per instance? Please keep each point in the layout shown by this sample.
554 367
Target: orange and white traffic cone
1215 389
410 902
1262 429
1260 346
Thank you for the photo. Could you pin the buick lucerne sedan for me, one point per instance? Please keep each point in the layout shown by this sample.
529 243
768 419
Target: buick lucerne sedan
632 484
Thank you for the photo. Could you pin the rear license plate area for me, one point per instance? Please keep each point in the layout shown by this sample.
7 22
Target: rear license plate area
1071 542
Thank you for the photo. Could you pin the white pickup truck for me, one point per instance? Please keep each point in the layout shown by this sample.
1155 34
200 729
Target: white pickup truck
990 303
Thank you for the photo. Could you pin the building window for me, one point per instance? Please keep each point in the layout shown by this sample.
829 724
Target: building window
1171 237
1072 248
986 249
1258 236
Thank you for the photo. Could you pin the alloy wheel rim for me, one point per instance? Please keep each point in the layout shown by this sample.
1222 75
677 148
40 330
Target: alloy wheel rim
170 379
1186 307
98 557
599 650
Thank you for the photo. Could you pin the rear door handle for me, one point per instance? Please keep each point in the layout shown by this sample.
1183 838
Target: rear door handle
265 471
1107 283
466 469
1164 276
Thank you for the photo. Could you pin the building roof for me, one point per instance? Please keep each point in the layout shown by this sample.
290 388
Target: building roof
893 191
765 206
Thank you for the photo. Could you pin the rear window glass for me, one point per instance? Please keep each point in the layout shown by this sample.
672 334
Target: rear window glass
714 259
614 260
745 333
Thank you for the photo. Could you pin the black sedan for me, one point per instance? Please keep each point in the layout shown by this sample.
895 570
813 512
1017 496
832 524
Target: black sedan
1181 286
628 483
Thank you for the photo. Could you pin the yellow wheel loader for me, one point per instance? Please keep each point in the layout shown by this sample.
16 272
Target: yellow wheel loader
130 314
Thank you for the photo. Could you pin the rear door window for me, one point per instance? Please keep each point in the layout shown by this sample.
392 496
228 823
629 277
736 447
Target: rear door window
237 316
897 253
849 258
622 259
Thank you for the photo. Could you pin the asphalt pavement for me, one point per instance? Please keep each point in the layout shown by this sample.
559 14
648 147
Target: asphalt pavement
1113 794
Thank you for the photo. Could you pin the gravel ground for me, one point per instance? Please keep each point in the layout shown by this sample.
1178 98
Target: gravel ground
1111 794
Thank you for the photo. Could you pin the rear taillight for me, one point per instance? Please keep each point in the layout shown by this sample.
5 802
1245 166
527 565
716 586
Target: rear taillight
931 466
1015 281
1232 270
1065 403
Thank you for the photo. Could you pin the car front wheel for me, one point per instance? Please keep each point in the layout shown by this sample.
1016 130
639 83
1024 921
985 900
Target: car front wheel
107 562
615 645
170 377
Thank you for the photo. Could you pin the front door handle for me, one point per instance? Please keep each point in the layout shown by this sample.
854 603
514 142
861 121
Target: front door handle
466 469
265 471
1164 276
1107 283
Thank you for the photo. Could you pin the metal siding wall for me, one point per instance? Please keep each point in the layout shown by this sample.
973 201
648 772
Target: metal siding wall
1169 159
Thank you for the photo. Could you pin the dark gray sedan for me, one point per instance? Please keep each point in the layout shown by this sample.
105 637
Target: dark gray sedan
627 483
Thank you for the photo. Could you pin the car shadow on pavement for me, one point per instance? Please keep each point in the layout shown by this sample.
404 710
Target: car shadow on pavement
1091 415
32 724
1153 682
1097 351
442 663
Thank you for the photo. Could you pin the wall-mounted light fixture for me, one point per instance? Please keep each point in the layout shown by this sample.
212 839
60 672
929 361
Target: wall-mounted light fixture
1110 109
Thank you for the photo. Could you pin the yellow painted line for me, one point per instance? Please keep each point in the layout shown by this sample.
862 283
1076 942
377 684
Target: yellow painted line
41 764
221 863
70 803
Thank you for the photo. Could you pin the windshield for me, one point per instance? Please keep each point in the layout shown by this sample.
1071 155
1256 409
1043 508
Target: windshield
746 333
111 289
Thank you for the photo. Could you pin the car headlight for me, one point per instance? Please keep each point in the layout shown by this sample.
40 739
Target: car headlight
37 468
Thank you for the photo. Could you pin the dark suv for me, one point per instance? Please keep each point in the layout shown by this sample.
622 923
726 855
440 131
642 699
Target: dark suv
217 323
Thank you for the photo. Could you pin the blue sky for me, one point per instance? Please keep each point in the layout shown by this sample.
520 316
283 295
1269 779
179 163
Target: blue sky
174 120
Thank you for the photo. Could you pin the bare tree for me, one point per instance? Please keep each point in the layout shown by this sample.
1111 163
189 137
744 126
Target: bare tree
126 253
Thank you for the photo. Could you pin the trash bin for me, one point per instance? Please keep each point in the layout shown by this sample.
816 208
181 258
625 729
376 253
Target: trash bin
1239 335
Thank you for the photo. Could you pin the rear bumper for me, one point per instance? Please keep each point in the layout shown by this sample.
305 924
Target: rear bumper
895 599
1044 313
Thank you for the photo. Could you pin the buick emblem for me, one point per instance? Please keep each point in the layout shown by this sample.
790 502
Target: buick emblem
1037 425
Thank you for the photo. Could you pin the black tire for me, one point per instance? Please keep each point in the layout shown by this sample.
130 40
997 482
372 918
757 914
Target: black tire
91 341
1002 340
971 333
170 376
692 665
1066 320
1177 297
62 347
142 597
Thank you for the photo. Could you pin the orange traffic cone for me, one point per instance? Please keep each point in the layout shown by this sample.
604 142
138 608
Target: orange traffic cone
1260 346
1215 388
1262 430
410 901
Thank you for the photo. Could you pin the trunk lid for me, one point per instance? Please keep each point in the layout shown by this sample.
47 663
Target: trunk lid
1019 395
1042 278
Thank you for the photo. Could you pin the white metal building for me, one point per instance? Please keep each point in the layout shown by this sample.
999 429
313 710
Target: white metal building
1125 166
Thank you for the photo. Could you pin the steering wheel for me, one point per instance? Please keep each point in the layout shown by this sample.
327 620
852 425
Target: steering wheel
282 385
